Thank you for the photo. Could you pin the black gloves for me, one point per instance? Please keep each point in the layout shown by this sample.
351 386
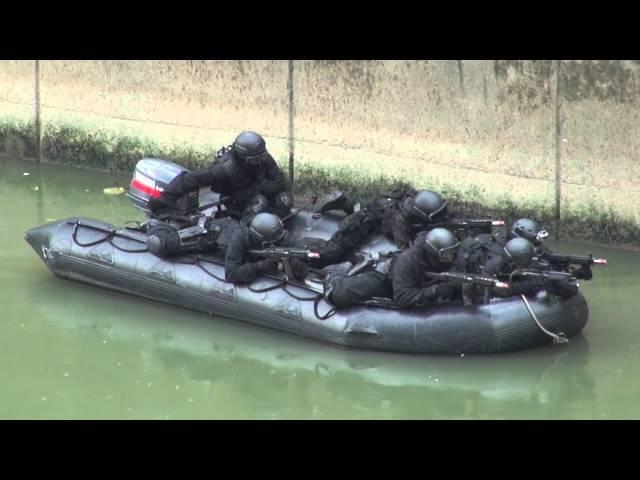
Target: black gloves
267 265
429 295
444 290
300 268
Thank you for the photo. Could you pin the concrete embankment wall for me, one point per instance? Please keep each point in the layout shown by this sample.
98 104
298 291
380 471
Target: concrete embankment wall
514 138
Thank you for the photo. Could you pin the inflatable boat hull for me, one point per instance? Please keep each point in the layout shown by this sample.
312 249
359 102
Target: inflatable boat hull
78 249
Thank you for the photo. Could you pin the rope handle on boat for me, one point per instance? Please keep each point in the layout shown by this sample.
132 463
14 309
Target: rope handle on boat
282 283
269 288
557 338
329 313
110 234
302 299
197 261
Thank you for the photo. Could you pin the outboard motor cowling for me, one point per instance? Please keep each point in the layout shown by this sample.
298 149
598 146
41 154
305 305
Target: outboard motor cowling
151 177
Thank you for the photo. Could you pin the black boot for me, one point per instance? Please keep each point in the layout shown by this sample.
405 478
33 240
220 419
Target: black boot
335 200
332 273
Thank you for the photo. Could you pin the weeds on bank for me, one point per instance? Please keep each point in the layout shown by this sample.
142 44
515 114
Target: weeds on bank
119 152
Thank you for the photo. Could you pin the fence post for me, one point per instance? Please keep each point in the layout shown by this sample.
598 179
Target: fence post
38 135
557 64
291 112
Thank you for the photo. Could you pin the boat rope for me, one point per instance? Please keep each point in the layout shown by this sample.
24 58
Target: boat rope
302 299
281 283
197 261
329 313
557 338
110 235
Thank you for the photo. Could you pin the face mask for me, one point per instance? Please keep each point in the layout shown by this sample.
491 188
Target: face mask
254 161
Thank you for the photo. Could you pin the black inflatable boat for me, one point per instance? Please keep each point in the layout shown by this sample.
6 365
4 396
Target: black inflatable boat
100 254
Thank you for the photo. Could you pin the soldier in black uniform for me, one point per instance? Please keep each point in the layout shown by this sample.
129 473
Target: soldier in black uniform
265 230
529 229
172 238
399 215
488 257
245 173
401 278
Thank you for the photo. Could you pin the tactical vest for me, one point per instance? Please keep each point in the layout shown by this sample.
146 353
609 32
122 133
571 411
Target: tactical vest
239 177
386 207
220 230
479 250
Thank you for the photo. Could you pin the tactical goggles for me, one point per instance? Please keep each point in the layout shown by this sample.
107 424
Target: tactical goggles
433 216
261 239
254 160
445 255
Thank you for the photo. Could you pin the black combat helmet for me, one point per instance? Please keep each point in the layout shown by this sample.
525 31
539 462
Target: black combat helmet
527 228
249 147
518 251
439 246
266 228
426 207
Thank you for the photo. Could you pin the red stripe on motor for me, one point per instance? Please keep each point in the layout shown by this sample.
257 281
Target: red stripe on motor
138 185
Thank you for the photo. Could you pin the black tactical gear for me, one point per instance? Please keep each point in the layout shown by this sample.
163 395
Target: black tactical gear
347 291
239 173
249 147
527 228
336 200
265 229
400 278
170 240
163 240
438 247
410 286
519 251
384 215
425 207
240 266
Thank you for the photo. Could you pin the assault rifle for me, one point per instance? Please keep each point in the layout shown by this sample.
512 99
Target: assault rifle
466 224
285 254
559 259
468 279
547 275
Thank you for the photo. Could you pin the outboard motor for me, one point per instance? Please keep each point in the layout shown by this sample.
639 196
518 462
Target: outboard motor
149 180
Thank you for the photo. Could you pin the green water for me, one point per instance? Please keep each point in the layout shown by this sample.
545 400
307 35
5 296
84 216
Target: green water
71 351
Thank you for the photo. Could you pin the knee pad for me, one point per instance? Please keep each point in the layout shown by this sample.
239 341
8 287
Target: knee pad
282 205
257 204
